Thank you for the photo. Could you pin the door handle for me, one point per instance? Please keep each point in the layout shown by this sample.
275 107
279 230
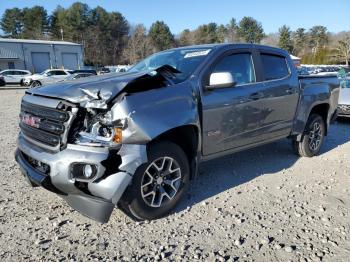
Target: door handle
256 96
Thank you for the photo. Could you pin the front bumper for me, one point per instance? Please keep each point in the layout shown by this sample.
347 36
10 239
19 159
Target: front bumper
27 82
96 198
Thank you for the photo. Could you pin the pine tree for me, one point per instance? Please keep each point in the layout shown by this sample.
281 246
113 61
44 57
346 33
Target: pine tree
35 23
285 41
250 30
160 36
318 37
299 38
12 22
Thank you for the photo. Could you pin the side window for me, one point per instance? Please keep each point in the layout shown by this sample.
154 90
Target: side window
239 65
275 67
51 73
60 73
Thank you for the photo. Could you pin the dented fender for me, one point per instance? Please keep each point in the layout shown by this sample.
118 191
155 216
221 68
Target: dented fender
144 116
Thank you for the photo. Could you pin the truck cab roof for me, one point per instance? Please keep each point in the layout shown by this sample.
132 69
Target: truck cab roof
221 46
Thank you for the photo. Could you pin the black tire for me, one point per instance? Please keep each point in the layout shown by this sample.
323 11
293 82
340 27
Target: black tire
35 84
308 146
133 202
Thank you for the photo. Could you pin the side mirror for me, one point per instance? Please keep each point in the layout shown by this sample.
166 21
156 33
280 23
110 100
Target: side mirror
220 80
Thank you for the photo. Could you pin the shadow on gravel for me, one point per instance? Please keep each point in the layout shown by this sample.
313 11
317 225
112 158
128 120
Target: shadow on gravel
221 174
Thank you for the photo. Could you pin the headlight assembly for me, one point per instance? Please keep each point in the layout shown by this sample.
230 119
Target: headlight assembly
100 132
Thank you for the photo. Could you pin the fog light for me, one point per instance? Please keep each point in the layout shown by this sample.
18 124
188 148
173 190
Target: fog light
88 171
83 172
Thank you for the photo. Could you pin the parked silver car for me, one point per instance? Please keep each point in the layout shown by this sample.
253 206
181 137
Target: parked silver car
47 77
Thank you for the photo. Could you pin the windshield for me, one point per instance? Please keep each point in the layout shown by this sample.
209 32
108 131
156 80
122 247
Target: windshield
184 60
44 72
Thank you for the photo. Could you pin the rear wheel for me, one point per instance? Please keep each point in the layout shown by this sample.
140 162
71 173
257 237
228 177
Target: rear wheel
157 185
313 137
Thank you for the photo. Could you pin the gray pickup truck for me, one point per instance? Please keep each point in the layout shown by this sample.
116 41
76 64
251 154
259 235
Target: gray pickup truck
135 139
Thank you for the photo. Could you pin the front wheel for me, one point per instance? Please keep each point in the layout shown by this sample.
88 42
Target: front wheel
157 185
313 137
35 84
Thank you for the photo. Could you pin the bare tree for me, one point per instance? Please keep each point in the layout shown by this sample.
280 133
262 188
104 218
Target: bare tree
343 50
138 46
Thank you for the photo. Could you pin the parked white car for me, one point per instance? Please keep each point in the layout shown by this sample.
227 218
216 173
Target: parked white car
46 77
14 76
344 98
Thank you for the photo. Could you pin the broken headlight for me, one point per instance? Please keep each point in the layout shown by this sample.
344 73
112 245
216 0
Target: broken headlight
99 131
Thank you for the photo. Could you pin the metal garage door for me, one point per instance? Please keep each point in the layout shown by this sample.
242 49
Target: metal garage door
40 61
70 60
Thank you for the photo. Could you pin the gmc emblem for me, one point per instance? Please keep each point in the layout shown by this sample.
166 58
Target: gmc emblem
29 120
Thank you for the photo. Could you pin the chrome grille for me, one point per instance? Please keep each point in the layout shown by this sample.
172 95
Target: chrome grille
44 126
344 109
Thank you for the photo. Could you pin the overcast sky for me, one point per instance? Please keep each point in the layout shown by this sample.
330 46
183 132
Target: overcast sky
182 14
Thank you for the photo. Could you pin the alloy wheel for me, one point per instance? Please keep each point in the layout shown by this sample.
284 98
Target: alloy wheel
315 136
161 181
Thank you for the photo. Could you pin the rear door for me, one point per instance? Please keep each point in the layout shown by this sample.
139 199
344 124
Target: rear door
281 94
60 75
13 76
17 76
231 116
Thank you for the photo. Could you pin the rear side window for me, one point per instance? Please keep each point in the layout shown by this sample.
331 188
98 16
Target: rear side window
275 67
240 66
60 73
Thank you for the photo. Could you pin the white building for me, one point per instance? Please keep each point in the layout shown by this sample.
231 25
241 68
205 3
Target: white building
39 55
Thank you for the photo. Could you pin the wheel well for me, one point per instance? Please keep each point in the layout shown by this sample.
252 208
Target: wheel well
322 110
184 136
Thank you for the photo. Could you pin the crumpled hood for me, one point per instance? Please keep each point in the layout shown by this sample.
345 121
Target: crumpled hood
95 91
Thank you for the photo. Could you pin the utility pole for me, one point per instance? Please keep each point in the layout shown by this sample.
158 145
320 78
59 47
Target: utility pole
61 34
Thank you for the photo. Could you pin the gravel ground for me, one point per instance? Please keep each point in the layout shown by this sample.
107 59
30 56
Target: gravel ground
260 205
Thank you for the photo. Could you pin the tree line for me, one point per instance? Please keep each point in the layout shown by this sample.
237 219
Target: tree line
109 39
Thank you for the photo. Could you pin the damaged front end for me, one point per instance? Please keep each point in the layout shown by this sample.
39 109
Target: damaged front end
100 130
90 166
96 155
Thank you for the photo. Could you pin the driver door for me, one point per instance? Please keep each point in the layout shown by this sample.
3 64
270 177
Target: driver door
232 116
50 77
